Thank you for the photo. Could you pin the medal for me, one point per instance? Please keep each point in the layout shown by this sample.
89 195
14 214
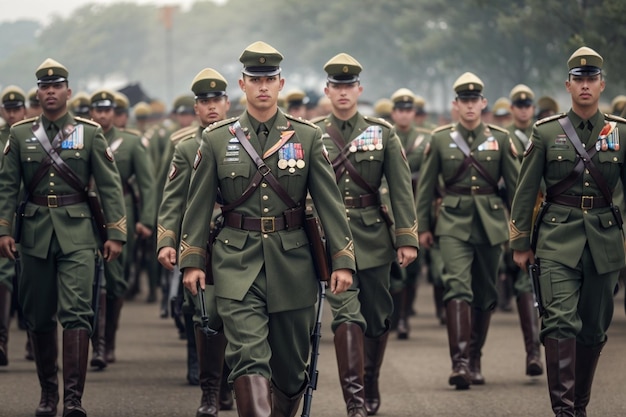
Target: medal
282 163
300 163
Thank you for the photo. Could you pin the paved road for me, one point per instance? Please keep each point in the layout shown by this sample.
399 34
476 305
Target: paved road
149 377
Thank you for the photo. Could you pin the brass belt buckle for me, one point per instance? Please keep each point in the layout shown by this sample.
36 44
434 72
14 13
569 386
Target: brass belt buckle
584 205
348 202
52 201
267 225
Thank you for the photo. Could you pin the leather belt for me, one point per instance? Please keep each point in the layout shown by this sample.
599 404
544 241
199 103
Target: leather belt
474 190
584 202
362 201
52 200
262 224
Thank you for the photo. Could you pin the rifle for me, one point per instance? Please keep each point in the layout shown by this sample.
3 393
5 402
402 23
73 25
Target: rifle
95 291
315 348
204 317
534 271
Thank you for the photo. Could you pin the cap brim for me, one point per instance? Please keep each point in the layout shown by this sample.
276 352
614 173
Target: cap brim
261 71
13 104
103 104
210 94
51 80
469 94
343 79
585 71
522 103
403 105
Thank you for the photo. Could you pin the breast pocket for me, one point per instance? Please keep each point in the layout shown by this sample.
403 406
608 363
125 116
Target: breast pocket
560 162
31 159
610 165
293 180
233 179
370 164
77 160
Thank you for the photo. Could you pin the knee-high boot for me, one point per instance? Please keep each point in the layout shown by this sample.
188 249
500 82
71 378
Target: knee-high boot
193 368
440 309
210 360
459 322
374 353
480 326
350 362
75 353
253 396
5 315
406 306
45 350
586 362
284 405
98 359
226 395
113 310
561 371
530 329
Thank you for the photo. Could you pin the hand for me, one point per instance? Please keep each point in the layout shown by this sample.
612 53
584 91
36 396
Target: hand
143 231
167 257
7 247
112 249
190 277
523 258
340 280
406 255
426 240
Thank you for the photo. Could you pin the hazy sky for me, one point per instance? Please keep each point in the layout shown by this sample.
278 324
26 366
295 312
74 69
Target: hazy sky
11 10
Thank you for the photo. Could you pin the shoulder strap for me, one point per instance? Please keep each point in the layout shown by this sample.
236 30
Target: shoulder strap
469 160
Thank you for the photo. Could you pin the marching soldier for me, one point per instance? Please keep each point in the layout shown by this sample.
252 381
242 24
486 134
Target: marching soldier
471 158
122 105
296 101
578 237
132 162
212 104
34 107
80 105
364 150
261 265
55 155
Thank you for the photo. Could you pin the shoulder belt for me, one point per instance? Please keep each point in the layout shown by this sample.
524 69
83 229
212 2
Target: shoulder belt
469 160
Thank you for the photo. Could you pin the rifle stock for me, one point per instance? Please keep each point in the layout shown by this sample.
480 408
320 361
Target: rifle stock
318 247
315 351
98 215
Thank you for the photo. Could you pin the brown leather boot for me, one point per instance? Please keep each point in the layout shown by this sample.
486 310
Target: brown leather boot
226 395
440 309
75 355
113 310
459 322
253 397
587 358
403 327
98 359
5 315
530 329
480 326
350 363
45 349
210 360
561 372
374 353
284 405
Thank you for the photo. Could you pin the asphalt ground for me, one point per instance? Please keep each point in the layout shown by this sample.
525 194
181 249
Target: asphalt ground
149 377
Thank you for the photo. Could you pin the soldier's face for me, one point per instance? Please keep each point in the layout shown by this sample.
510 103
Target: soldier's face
103 116
211 110
261 92
13 115
402 118
469 109
522 114
343 96
585 90
53 97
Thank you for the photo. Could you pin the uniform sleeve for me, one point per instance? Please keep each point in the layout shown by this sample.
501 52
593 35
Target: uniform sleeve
109 186
426 186
145 181
329 205
200 201
510 169
528 184
398 175
10 181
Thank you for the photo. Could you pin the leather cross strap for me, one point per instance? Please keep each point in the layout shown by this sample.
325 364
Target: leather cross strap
341 163
469 160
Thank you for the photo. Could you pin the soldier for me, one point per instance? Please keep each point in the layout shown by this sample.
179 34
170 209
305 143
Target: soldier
383 108
421 115
546 106
212 104
122 105
132 161
34 107
522 110
578 217
12 110
618 105
296 101
80 105
141 113
55 155
502 112
267 303
471 158
364 150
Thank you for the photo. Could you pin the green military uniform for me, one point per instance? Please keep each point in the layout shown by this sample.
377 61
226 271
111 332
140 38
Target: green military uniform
58 243
469 225
208 84
579 241
265 283
361 315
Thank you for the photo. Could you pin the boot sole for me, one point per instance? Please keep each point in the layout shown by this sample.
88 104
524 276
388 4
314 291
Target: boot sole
459 381
534 370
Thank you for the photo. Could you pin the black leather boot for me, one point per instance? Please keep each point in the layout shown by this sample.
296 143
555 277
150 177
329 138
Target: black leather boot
113 311
5 316
45 350
459 322
530 329
210 360
374 353
98 341
561 370
587 358
480 326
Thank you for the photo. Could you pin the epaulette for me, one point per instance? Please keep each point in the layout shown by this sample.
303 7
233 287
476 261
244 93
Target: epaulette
300 120
318 119
614 118
443 127
423 130
550 118
87 121
21 122
222 123
378 121
181 133
132 132
498 128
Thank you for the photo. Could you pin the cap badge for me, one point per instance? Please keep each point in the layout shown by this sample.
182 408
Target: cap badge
583 61
212 84
345 69
50 72
11 96
103 95
523 96
471 87
262 60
